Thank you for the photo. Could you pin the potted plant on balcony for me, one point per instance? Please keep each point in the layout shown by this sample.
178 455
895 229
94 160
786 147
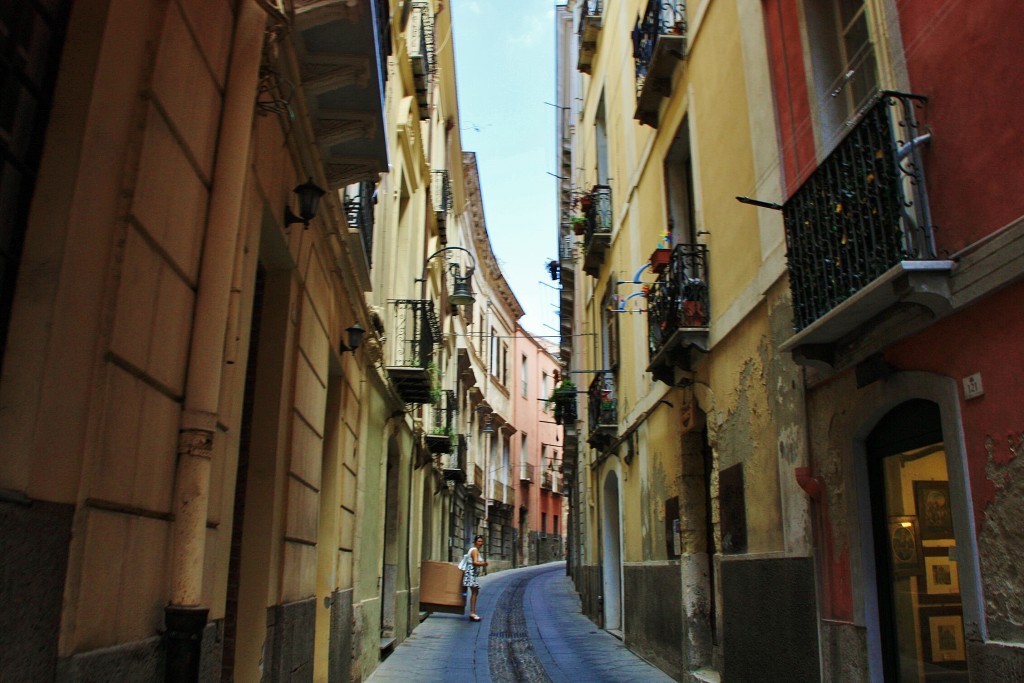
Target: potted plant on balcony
440 440
579 224
661 256
564 398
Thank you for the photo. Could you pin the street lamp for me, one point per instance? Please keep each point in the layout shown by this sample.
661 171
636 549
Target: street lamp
462 293
309 194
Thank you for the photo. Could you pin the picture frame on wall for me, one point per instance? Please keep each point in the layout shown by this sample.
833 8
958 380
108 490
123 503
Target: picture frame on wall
905 546
942 637
940 575
934 510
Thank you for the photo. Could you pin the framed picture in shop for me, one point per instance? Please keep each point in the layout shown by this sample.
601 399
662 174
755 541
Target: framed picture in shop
905 546
941 580
942 637
933 509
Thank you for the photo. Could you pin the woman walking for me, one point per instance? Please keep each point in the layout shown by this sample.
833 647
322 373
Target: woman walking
472 563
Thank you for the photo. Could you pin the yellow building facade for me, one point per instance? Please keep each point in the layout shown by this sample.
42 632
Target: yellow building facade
690 416
226 275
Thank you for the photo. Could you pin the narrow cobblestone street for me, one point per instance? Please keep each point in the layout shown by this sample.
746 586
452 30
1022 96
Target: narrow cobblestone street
531 630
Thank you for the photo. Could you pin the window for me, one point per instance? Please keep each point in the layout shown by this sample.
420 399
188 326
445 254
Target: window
601 143
610 324
504 364
525 375
679 188
524 458
506 454
844 69
493 358
543 523
545 390
558 530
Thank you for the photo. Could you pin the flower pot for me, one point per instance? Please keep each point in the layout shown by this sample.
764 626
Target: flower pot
660 259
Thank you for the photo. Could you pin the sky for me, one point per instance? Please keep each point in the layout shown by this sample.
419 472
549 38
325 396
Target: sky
505 73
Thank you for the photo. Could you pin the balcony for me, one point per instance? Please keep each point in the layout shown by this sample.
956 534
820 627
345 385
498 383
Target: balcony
359 202
597 236
527 472
860 245
455 465
603 413
590 29
416 333
498 491
342 54
419 39
477 482
441 436
678 312
659 44
441 193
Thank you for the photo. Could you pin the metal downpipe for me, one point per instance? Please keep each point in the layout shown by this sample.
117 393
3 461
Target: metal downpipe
185 617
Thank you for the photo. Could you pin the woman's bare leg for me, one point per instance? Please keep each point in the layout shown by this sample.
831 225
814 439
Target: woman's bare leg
472 601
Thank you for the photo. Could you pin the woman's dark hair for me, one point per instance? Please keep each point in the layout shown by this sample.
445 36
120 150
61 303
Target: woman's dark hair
478 537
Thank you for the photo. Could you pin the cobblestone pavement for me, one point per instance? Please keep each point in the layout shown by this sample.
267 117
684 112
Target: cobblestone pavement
531 630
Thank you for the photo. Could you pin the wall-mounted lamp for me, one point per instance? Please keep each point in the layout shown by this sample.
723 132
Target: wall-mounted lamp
355 338
488 425
309 201
462 293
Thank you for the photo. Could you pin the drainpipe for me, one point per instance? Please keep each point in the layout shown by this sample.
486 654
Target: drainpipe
184 616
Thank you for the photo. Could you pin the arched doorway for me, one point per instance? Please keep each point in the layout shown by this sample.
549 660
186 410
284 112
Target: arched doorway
611 556
920 612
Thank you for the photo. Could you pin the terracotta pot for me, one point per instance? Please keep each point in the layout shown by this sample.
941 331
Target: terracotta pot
660 259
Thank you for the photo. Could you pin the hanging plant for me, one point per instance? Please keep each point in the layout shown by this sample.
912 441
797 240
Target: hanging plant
564 399
579 224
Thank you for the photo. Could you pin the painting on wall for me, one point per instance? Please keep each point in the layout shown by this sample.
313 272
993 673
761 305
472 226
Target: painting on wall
905 546
933 509
942 636
940 575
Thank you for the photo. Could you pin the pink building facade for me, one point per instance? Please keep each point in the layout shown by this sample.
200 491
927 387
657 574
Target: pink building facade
540 517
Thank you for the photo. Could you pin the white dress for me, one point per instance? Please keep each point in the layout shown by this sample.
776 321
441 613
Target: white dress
470 575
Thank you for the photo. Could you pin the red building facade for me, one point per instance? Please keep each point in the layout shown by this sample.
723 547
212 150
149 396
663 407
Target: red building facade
901 162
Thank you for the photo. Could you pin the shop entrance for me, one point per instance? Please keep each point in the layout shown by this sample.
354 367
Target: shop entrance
919 607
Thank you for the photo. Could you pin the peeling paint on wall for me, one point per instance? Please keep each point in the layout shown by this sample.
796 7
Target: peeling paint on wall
1001 543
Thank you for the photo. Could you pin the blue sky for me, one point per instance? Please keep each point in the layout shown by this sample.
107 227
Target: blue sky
504 63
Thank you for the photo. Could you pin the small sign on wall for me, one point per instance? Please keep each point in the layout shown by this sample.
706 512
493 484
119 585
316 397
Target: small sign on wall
973 387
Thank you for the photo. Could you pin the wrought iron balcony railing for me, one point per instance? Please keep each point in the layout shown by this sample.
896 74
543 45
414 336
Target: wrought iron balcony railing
590 27
420 45
359 212
598 233
527 471
445 409
863 212
659 43
603 413
441 195
679 298
416 333
456 465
